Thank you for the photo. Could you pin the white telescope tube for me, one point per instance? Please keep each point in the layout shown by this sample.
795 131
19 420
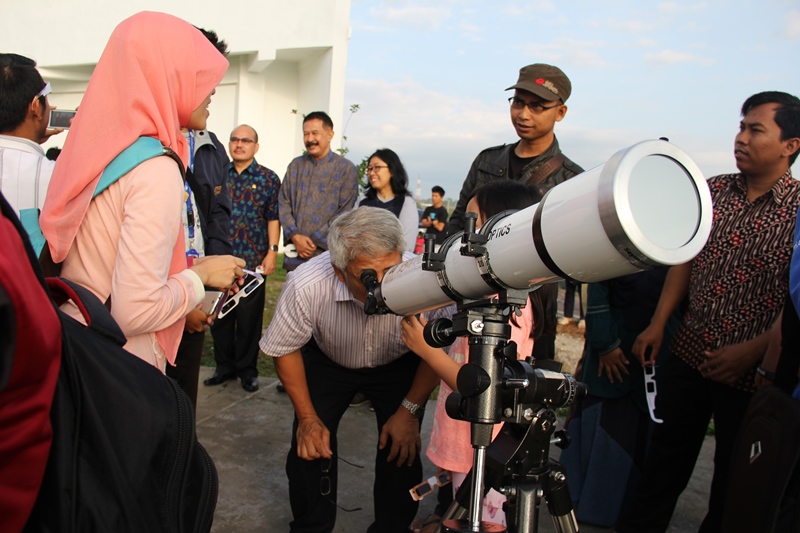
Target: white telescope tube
648 206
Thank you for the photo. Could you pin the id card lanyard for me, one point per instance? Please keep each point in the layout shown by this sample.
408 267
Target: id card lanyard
191 252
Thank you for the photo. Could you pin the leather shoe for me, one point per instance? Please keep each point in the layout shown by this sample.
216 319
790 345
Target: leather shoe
250 384
218 378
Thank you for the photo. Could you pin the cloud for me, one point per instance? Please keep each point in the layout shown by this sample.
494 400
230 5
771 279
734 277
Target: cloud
570 52
411 15
671 57
436 134
473 32
527 8
624 26
791 27
645 42
675 8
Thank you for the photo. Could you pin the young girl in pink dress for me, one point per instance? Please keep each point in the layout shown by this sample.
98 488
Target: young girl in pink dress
450 447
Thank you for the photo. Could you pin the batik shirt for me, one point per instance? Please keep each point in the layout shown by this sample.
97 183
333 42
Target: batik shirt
254 195
313 194
739 280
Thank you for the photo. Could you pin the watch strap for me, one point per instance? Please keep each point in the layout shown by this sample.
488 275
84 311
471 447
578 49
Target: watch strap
413 408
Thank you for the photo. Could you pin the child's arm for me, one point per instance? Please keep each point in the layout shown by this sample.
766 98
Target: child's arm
437 358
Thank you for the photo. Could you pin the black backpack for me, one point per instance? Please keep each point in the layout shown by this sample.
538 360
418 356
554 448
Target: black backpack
763 492
124 454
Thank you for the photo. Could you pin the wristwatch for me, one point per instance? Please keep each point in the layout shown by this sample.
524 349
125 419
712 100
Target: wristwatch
413 408
273 247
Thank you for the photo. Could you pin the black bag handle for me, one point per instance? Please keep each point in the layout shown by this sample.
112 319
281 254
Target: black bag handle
97 316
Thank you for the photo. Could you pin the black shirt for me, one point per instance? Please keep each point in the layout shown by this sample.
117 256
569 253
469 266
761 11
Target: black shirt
440 214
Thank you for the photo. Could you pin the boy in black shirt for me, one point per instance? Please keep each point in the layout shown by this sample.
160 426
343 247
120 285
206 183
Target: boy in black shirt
434 218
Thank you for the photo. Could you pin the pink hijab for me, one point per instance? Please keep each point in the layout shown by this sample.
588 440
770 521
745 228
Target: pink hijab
155 70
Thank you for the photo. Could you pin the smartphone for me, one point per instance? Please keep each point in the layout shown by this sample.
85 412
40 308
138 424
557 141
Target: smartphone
60 118
212 302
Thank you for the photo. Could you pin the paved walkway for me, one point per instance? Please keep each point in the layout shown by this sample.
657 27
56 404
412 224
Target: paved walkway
248 437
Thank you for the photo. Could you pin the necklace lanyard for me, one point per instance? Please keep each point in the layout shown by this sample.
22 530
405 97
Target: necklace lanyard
191 253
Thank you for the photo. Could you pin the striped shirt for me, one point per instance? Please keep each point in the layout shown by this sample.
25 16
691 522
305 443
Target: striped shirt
315 303
739 280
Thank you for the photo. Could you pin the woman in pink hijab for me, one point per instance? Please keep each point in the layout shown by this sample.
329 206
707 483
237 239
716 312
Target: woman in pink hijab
156 75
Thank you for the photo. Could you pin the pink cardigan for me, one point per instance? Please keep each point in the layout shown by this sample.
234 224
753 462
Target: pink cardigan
123 249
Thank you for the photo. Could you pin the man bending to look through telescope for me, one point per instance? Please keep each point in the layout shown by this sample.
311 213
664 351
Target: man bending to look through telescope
326 349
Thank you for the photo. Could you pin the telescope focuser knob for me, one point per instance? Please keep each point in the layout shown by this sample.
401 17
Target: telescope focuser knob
472 380
561 439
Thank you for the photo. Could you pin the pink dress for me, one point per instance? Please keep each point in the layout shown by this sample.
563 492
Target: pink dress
449 447
123 249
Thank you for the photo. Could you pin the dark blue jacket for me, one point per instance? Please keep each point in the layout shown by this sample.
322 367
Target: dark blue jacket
210 187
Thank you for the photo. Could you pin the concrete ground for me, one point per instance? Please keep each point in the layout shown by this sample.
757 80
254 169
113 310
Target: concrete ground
248 437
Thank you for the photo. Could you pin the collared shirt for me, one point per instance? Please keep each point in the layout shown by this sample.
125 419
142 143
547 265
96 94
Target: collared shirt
24 172
315 303
312 195
254 195
739 280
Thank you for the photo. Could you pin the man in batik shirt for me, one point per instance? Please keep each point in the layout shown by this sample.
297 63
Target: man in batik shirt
736 289
319 186
255 231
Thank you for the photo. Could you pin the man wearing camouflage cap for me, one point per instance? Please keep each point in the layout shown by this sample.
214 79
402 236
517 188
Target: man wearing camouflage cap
539 101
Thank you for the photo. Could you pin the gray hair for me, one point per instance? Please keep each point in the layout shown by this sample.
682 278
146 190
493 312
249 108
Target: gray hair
368 231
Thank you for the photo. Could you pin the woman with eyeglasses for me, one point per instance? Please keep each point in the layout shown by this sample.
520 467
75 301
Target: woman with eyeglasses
127 245
388 189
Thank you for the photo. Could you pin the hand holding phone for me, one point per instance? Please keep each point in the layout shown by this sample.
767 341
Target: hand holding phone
213 302
61 118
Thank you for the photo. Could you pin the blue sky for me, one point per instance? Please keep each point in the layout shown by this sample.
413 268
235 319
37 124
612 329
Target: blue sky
429 76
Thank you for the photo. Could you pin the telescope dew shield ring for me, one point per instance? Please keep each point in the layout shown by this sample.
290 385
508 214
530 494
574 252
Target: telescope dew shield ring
661 175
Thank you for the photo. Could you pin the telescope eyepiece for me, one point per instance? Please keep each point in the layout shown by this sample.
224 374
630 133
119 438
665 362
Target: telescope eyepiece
370 280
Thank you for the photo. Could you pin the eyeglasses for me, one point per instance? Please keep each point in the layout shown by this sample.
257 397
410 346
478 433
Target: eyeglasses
325 482
651 391
534 107
376 168
251 281
44 92
243 140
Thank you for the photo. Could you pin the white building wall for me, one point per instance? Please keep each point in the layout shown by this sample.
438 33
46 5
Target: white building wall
285 56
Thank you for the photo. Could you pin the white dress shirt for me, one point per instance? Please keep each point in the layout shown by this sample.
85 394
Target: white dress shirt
24 172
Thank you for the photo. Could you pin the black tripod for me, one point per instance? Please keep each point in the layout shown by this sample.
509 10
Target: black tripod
493 387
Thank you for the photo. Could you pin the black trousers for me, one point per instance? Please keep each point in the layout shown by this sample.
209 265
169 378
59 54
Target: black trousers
187 364
686 401
236 336
332 387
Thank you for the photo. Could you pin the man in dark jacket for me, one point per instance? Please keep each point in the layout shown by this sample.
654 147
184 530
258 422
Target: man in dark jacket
206 177
539 101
